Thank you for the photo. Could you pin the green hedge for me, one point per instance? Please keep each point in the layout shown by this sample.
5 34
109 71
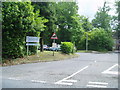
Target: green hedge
67 47
19 20
98 40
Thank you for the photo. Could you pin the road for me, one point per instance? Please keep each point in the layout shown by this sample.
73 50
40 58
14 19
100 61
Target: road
89 70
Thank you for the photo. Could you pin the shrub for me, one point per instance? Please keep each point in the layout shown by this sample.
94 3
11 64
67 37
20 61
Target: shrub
100 40
67 47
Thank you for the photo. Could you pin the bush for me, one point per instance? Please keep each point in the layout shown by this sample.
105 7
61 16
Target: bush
100 40
67 47
19 20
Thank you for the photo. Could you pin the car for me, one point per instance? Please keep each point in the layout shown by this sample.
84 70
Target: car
54 49
45 47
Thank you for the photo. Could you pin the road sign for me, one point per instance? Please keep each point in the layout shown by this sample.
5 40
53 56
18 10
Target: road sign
54 36
32 39
32 44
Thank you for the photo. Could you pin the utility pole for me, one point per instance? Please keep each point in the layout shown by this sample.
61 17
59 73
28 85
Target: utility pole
54 45
86 42
54 37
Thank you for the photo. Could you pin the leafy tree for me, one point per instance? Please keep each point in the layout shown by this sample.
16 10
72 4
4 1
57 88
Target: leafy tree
102 18
48 11
64 13
81 25
100 40
118 19
19 20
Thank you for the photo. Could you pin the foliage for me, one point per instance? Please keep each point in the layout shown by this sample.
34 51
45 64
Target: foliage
64 13
19 20
102 18
98 40
67 47
118 19
48 11
81 25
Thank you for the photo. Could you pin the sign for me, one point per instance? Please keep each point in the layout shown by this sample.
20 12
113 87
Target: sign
54 44
32 44
54 36
32 39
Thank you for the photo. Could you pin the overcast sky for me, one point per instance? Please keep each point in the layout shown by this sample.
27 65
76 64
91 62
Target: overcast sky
89 8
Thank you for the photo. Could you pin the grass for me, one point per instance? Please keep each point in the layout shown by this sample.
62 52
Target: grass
45 56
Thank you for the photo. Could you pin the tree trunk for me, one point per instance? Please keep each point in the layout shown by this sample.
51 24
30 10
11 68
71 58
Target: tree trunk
41 41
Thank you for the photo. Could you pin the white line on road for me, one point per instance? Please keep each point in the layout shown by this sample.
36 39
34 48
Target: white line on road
99 86
111 72
14 78
70 80
75 73
65 79
98 83
63 83
37 81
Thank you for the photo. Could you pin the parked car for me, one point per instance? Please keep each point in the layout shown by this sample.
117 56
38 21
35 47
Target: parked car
45 47
54 49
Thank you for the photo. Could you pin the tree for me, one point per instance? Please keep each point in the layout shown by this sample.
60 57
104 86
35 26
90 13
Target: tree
100 40
102 18
64 13
19 20
81 25
118 19
48 11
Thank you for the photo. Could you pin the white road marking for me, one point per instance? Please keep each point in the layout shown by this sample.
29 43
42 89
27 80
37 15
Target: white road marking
111 72
65 79
76 73
14 78
63 83
98 83
70 80
99 86
37 81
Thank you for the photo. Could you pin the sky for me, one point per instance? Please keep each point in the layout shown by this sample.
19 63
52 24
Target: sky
89 8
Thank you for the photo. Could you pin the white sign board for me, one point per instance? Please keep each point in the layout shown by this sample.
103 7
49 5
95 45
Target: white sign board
32 44
54 44
32 39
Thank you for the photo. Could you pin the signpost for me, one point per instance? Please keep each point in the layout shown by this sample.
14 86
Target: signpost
32 41
54 37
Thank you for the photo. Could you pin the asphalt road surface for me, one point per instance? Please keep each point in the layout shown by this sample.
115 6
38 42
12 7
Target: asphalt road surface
89 70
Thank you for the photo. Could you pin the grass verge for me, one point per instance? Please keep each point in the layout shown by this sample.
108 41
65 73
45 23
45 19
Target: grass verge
45 56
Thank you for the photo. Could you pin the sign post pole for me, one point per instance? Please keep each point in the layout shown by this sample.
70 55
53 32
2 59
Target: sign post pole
53 46
27 50
32 41
54 37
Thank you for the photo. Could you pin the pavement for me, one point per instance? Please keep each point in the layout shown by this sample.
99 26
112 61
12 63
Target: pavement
89 70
